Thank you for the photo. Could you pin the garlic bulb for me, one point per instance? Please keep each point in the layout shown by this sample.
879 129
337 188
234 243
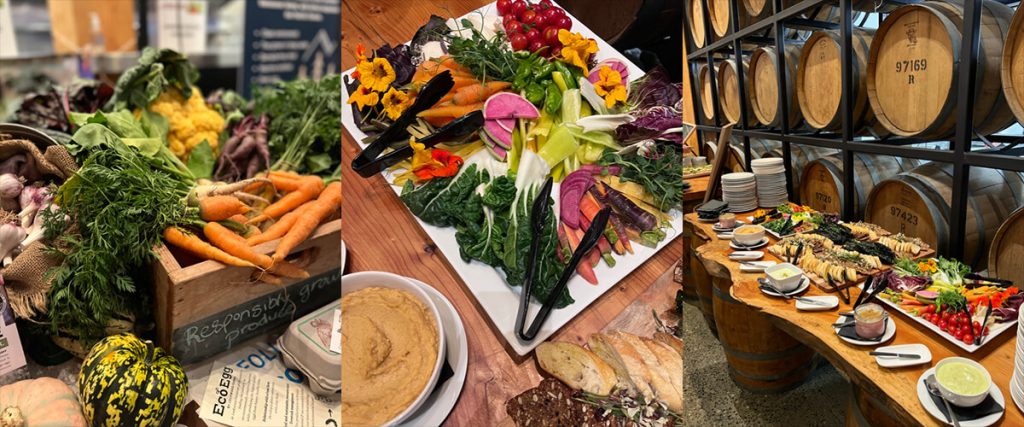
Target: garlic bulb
10 186
11 236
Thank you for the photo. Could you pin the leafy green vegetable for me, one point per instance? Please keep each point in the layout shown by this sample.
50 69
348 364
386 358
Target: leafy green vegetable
488 59
200 162
658 172
304 130
156 71
951 299
102 131
954 269
448 206
907 267
117 206
484 242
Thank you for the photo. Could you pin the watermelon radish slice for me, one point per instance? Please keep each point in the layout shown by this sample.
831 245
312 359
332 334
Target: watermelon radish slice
499 135
505 105
485 138
497 152
612 63
507 124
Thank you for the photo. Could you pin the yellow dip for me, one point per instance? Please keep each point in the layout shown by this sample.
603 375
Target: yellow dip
389 345
784 273
961 378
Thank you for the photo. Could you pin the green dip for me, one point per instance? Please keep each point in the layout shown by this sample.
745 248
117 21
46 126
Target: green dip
962 379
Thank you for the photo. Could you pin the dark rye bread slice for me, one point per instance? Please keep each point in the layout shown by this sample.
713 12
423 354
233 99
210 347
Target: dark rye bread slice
551 404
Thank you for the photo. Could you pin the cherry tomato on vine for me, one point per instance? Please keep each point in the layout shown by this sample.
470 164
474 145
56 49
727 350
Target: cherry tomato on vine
514 27
518 41
504 7
518 6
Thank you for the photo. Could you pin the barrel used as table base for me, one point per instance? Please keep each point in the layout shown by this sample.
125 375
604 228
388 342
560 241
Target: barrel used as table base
700 280
762 358
864 410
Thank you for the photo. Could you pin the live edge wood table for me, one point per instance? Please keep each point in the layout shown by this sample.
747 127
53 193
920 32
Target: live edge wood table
771 333
382 235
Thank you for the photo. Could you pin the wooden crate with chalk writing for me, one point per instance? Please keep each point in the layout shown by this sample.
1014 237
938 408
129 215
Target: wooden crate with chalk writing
203 307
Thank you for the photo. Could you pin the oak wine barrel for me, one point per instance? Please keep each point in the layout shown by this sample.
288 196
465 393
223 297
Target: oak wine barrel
822 185
735 160
1013 66
707 99
819 82
695 15
699 279
917 203
800 155
761 358
729 91
764 94
1007 250
913 70
721 15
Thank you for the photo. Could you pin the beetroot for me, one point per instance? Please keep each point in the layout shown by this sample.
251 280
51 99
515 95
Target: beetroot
572 190
505 105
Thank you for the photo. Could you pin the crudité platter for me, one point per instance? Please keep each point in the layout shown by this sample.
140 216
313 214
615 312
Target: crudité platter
592 123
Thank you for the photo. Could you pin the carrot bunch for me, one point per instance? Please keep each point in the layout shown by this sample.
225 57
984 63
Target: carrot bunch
466 96
231 226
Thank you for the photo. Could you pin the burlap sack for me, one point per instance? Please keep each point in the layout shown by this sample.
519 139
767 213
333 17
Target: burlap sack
24 277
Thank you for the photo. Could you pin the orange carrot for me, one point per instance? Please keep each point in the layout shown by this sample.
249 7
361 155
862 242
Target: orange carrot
217 208
478 93
439 121
195 245
287 269
310 188
270 279
464 81
239 218
451 111
445 100
328 202
280 228
234 244
285 184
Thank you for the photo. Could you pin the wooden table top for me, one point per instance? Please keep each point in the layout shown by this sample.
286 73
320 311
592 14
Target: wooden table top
814 329
698 187
382 235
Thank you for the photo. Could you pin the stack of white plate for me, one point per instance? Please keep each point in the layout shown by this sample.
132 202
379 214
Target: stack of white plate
771 182
739 191
1017 382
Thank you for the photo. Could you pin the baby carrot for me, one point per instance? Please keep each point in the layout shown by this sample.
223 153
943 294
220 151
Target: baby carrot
328 202
192 243
217 208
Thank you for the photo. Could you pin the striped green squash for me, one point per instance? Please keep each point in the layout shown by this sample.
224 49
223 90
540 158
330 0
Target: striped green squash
129 382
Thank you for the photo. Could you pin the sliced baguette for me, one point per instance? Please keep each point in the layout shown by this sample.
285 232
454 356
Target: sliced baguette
577 367
672 341
628 368
658 377
673 364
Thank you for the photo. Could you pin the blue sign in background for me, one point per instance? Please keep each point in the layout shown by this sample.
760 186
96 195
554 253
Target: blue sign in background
289 39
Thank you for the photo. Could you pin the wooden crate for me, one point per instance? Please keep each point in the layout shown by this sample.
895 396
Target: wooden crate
203 307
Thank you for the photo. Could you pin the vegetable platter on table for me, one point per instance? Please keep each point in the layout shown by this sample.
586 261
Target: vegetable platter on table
469 119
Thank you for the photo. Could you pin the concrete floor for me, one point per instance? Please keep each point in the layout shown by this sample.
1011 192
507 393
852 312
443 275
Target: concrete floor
713 399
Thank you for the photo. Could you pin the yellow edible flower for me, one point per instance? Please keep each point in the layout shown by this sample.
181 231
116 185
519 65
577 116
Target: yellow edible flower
376 75
363 97
395 102
610 86
576 49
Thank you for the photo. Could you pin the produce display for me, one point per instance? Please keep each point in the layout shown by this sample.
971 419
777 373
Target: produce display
480 120
40 402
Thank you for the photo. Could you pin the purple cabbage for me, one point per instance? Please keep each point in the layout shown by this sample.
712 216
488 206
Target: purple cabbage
654 89
1012 308
401 61
652 124
904 283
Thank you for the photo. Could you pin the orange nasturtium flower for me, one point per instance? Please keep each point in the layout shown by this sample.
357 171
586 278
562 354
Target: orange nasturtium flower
395 102
360 58
363 97
576 49
610 86
433 163
376 75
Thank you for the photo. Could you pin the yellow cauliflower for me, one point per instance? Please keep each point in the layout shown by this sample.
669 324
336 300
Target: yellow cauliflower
190 122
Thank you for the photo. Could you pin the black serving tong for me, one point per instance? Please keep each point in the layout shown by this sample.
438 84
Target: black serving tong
538 215
459 127
368 163
845 296
590 238
981 333
979 278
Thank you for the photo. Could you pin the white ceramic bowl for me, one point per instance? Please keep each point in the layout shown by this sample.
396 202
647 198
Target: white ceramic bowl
787 284
957 399
748 239
368 279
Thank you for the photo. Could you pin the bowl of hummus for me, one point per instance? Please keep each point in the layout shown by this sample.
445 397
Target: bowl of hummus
392 348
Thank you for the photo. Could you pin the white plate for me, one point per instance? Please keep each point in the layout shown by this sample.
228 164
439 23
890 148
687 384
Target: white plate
486 283
832 301
716 227
992 331
746 255
890 330
758 267
344 256
898 362
724 236
1016 394
440 403
929 405
804 284
760 244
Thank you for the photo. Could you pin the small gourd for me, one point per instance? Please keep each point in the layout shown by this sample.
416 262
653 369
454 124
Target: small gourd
39 402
